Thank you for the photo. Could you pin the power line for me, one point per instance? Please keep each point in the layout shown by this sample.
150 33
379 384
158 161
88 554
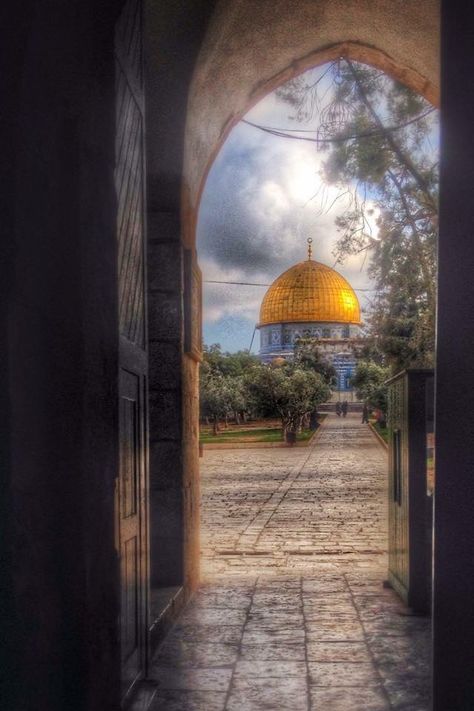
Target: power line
249 283
288 132
239 283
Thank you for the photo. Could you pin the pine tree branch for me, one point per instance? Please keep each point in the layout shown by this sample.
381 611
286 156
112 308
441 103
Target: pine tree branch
404 159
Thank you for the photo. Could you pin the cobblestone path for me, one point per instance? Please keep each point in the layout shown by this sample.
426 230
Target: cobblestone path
292 614
297 509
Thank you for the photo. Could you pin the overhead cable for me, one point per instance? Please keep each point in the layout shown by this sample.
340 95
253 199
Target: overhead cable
289 132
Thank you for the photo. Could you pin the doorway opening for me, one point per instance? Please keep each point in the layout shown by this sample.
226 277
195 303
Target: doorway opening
360 183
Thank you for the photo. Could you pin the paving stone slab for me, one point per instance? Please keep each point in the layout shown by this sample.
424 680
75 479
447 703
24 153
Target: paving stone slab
342 674
188 701
207 633
181 653
325 630
338 652
193 679
344 699
292 614
213 616
270 669
273 651
290 694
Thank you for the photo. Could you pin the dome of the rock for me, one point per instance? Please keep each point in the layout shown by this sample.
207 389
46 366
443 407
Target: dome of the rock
310 292
311 303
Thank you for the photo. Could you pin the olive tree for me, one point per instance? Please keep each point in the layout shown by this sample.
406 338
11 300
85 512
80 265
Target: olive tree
220 395
289 393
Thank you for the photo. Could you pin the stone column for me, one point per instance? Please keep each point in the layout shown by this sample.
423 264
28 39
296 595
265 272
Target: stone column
174 32
165 342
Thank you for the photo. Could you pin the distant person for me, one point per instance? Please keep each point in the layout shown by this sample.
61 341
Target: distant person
338 408
344 408
380 417
365 414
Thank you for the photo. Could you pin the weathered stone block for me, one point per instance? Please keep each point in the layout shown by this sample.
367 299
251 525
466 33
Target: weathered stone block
164 313
165 465
161 225
165 415
166 537
164 266
164 360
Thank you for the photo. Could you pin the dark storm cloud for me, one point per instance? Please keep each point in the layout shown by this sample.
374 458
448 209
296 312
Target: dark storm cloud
230 231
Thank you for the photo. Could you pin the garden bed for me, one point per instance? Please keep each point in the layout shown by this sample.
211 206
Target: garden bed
261 433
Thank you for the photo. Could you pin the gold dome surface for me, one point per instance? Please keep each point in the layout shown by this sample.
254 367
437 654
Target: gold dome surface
310 291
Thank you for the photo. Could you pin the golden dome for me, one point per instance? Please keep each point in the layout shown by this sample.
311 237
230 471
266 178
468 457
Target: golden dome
310 291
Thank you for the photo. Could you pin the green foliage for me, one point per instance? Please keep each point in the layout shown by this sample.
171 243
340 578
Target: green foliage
237 382
378 149
308 356
368 381
222 389
215 396
291 393
232 364
252 435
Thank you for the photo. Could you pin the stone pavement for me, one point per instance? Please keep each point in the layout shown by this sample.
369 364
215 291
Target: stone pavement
292 614
289 510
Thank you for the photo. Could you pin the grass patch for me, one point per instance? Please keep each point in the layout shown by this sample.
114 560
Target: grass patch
382 431
250 435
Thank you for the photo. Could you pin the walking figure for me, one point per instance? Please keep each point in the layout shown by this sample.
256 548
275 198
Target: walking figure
344 408
365 414
338 408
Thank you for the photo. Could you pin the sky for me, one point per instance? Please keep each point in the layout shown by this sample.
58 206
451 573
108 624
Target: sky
263 198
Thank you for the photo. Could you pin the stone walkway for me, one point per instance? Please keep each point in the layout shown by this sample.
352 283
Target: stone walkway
292 614
291 510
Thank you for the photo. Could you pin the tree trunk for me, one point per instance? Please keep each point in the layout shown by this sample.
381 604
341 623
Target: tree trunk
299 426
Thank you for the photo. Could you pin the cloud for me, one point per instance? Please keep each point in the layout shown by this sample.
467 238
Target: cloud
264 196
224 300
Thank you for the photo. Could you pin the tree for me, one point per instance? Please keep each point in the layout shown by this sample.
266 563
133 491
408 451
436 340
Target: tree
214 398
221 396
307 355
289 393
369 383
222 390
234 364
376 133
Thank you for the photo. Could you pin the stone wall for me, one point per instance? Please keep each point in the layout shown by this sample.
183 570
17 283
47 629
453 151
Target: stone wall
174 34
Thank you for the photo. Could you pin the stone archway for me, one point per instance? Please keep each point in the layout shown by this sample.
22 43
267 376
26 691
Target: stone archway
248 51
358 52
